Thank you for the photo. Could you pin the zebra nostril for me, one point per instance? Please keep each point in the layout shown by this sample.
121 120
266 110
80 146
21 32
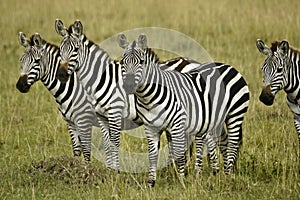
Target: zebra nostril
129 84
62 74
266 96
22 84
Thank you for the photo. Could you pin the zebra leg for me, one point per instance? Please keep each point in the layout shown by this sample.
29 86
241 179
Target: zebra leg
115 121
85 138
179 145
76 144
153 136
223 142
106 141
296 111
199 139
234 141
297 125
212 152
171 156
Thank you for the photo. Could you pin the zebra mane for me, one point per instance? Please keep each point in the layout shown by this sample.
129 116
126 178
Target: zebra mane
275 44
69 30
31 42
152 55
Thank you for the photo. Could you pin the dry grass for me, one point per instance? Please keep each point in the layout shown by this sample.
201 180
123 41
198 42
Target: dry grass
32 131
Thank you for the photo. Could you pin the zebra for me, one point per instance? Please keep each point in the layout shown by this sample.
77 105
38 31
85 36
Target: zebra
185 104
40 61
280 71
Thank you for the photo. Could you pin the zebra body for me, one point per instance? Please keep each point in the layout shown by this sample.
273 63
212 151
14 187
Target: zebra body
281 72
196 103
100 77
40 61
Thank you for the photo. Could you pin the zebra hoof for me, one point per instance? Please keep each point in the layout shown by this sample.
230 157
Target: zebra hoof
182 179
197 171
151 183
230 175
62 75
113 169
215 171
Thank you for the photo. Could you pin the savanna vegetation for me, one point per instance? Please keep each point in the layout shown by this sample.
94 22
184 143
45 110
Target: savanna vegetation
36 157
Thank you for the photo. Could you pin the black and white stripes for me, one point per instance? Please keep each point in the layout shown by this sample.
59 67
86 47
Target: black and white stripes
102 79
281 72
40 61
189 104
205 101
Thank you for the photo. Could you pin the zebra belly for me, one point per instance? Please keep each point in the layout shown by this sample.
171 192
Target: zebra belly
159 116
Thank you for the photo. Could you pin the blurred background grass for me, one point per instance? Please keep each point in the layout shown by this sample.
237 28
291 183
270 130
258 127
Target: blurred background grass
32 129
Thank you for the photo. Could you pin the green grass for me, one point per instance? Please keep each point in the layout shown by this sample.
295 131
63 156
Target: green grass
35 147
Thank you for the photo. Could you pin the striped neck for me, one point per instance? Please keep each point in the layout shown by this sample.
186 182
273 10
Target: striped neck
151 58
292 75
93 62
151 68
49 66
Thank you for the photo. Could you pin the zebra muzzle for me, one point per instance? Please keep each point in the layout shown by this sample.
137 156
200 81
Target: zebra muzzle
62 73
22 84
266 96
129 84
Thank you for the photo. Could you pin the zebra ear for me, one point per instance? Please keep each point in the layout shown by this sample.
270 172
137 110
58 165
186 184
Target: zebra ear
60 28
77 28
23 40
283 48
263 48
38 41
142 41
122 40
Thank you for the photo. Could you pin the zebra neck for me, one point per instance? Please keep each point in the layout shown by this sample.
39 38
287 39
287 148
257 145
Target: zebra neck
151 70
49 66
292 75
93 62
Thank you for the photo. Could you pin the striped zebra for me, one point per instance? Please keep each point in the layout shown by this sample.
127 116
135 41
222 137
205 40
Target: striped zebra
101 77
40 61
281 71
184 104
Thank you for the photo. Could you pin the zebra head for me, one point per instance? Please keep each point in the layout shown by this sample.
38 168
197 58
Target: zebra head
274 69
69 48
31 61
132 62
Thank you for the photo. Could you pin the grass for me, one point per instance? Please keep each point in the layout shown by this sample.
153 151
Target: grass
35 147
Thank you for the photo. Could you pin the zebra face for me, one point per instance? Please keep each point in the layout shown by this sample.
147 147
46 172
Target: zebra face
30 62
132 63
69 49
274 69
132 68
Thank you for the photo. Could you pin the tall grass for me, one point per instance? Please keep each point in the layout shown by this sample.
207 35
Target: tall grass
32 130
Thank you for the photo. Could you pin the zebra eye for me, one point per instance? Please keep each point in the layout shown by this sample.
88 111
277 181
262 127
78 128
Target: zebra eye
141 62
37 61
279 70
76 48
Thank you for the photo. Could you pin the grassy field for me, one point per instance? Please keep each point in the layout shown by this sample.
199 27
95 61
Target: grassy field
36 161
